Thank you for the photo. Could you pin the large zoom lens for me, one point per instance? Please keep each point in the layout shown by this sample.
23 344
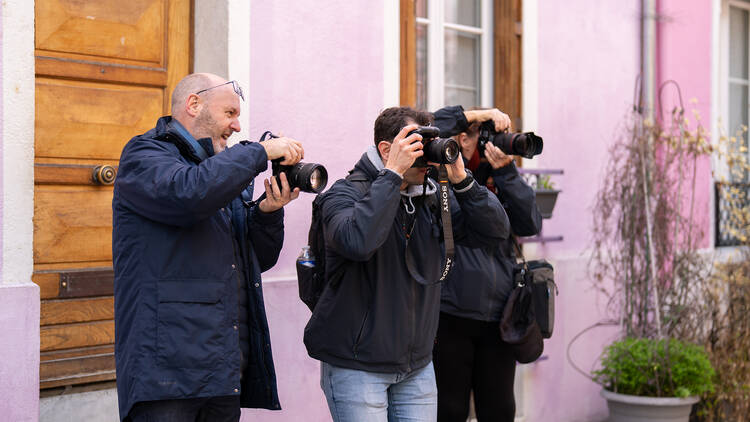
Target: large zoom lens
525 144
436 150
308 177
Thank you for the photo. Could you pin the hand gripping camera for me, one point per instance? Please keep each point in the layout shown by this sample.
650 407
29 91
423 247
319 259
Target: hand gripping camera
436 149
525 144
308 177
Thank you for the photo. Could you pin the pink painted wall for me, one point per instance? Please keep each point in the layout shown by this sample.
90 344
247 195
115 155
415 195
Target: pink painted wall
19 352
316 75
684 55
588 63
588 56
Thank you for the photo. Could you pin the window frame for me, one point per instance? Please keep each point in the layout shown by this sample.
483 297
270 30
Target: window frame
500 81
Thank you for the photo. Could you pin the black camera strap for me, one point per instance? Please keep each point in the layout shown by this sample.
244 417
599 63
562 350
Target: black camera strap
445 215
249 204
447 223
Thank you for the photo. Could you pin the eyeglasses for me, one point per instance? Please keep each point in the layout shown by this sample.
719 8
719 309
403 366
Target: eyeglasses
236 86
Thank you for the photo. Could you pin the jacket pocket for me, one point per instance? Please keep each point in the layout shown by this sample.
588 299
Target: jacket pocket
190 320
358 339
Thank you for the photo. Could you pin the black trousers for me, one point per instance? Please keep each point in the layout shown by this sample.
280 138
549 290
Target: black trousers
469 355
208 409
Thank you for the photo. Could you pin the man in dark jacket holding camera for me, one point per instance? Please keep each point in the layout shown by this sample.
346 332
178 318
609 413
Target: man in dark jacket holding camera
375 323
469 354
191 336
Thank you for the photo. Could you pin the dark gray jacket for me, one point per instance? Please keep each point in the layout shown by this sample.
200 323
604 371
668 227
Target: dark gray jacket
482 278
378 318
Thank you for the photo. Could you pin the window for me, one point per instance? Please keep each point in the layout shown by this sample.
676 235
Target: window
736 89
454 53
464 52
739 80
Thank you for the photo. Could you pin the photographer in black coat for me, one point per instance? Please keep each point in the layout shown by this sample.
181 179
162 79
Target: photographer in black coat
374 329
468 353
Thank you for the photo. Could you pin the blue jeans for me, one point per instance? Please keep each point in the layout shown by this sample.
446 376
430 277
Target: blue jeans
361 396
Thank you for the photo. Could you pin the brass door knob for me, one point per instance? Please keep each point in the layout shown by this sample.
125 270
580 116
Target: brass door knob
104 175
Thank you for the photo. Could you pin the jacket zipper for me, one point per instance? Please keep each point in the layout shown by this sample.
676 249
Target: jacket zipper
239 287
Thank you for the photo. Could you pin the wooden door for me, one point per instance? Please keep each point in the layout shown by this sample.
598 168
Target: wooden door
104 73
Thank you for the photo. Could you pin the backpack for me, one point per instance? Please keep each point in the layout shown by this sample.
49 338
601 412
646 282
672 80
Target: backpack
311 275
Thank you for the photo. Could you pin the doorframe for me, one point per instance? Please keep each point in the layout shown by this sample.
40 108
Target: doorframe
18 111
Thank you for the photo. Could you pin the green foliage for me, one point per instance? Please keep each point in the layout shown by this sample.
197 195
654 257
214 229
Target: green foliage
543 181
656 368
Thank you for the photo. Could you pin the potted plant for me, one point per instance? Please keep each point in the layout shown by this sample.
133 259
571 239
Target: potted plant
648 379
646 262
546 195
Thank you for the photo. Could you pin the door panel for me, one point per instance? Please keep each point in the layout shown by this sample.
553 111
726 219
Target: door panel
91 120
131 30
104 72
73 224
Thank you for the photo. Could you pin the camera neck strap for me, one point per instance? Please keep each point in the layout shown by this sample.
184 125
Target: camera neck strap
249 203
447 223
445 216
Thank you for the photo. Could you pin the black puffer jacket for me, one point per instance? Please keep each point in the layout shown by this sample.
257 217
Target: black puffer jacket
378 318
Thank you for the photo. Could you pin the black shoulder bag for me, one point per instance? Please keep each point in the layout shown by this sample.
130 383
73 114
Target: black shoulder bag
529 313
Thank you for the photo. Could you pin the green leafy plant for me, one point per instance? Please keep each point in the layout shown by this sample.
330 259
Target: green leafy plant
544 182
657 368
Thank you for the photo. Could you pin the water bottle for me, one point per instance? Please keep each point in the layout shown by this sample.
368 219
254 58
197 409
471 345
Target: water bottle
306 258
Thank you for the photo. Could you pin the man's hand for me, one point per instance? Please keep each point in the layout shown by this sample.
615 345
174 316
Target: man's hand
496 157
275 197
456 171
404 150
288 148
502 120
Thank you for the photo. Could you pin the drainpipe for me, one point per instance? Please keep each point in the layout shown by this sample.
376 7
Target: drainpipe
648 65
648 56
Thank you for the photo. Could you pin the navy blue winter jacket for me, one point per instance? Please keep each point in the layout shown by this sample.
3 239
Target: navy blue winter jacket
179 272
378 318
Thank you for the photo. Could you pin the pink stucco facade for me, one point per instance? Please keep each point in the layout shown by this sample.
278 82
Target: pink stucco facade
316 75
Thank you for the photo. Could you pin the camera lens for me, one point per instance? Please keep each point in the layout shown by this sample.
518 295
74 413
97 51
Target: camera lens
526 144
441 150
318 179
309 177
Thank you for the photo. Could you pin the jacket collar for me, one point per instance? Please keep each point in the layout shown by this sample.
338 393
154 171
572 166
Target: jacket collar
171 130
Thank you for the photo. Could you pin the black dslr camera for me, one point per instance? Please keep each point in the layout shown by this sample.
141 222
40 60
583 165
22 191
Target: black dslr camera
436 149
525 144
308 177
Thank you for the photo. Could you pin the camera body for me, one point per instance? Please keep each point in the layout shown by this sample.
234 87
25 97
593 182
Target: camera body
525 144
436 149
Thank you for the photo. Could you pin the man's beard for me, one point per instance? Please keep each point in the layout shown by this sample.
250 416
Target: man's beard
206 127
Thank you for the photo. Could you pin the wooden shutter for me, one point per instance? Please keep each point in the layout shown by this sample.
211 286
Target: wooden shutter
507 60
104 73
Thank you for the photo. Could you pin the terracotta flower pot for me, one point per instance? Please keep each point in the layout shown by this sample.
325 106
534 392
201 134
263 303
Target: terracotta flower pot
627 408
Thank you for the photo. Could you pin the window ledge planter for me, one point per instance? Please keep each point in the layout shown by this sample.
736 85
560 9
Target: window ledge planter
545 201
627 408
